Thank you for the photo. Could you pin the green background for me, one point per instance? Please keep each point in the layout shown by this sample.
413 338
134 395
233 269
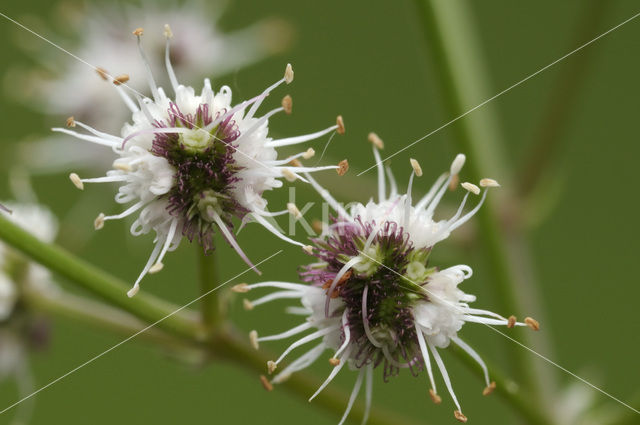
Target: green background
368 61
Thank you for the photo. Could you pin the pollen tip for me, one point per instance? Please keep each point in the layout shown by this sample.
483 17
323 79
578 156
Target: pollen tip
102 73
167 31
416 166
287 104
77 182
240 288
253 338
309 153
470 187
434 397
265 383
343 167
457 163
288 74
121 79
271 366
70 122
455 179
121 166
489 183
459 416
317 226
288 175
375 140
308 249
334 362
293 210
489 388
511 321
138 31
340 124
532 323
247 304
98 223
295 163
156 268
133 291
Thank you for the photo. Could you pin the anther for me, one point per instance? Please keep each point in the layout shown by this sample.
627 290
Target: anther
98 223
271 366
532 323
71 122
453 184
167 31
253 338
156 268
121 79
287 104
470 187
457 164
459 416
247 304
343 167
287 174
317 226
309 153
293 210
375 140
288 74
340 124
102 73
138 32
511 321
77 182
489 389
416 166
489 183
434 397
295 163
240 288
308 249
334 362
265 383
121 166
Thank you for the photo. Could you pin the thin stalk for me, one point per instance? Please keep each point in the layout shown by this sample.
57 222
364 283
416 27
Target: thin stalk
447 29
548 140
211 308
145 306
230 346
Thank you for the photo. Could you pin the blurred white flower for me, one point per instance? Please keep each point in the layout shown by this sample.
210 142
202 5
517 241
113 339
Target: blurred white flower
371 296
192 163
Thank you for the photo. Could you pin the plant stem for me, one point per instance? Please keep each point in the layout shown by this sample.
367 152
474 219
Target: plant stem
211 308
230 346
143 305
563 97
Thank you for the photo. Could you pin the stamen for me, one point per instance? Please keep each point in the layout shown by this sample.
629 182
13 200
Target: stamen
340 123
365 319
445 375
157 267
271 366
352 398
77 182
332 375
475 356
247 304
309 153
288 175
294 211
152 83
459 416
324 193
315 335
334 283
167 58
470 187
512 321
308 249
457 164
98 223
287 334
368 393
532 323
287 104
375 140
265 383
489 183
425 355
138 32
121 79
343 167
382 190
489 389
299 139
103 73
70 122
416 167
241 288
453 184
334 362
435 398
317 226
288 74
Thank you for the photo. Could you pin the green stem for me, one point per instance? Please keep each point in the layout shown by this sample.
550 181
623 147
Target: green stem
143 305
211 307
230 346
448 30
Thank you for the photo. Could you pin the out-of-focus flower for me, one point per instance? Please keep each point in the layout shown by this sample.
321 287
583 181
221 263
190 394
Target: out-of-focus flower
192 163
372 297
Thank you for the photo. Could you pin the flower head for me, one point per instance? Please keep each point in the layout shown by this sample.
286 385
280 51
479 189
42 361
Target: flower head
373 298
188 165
